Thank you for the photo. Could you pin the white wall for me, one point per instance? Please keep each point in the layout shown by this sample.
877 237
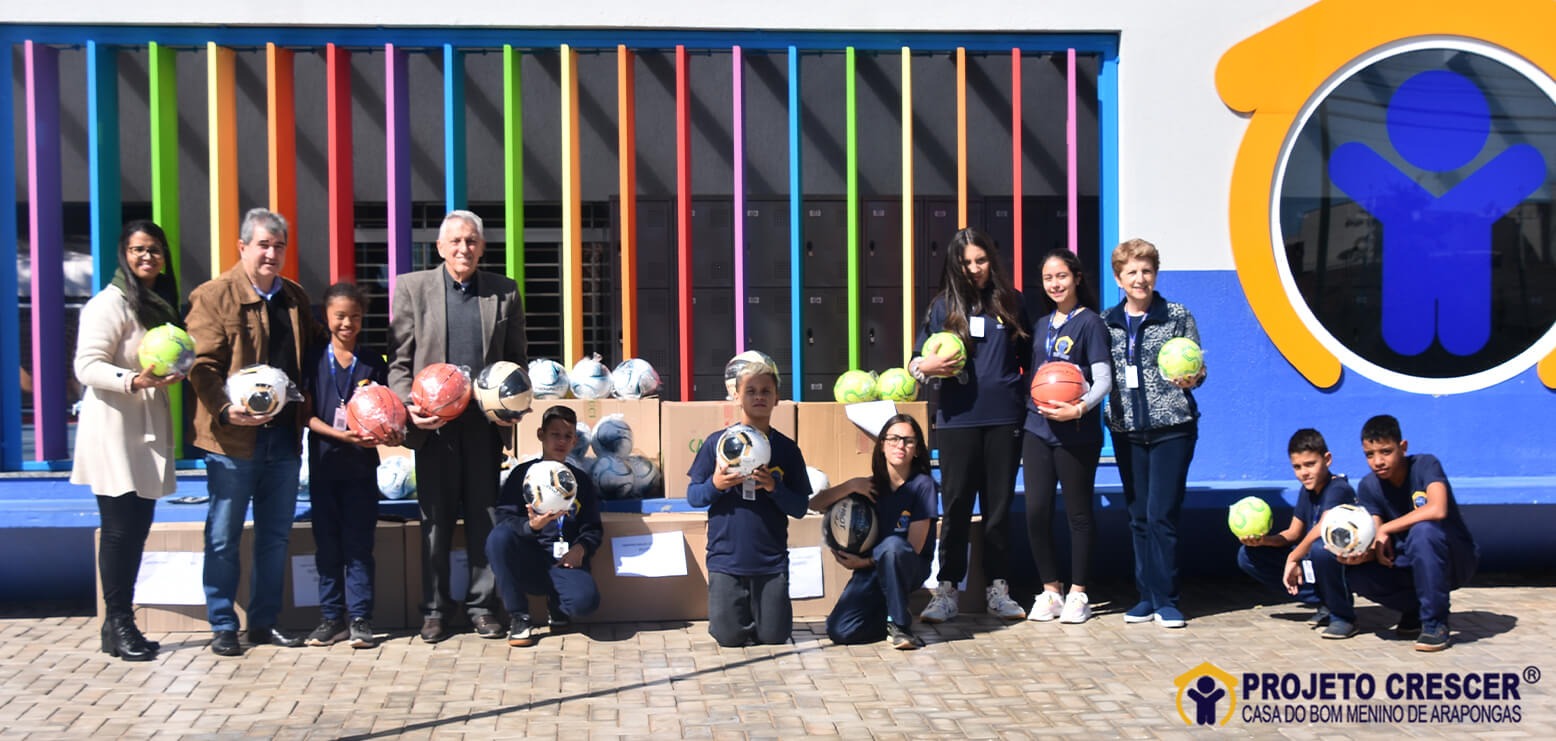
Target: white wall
1177 140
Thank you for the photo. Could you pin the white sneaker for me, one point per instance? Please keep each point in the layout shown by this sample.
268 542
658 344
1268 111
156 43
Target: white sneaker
942 604
1000 603
1077 609
1047 607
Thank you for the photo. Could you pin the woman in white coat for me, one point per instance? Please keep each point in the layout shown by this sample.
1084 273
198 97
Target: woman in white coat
124 437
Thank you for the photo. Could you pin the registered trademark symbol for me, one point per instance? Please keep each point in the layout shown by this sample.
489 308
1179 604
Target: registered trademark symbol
1532 674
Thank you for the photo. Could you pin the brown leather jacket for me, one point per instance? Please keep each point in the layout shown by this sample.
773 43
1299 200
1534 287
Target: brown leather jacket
231 329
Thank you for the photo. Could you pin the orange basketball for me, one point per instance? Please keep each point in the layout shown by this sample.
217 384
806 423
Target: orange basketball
442 390
1057 381
374 411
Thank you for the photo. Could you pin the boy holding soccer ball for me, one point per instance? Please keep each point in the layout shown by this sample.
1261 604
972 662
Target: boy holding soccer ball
1422 550
1271 558
748 533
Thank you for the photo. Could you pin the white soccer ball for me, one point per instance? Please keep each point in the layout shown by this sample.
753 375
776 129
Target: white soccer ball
613 476
647 480
549 378
613 437
818 480
635 379
397 477
738 363
503 391
581 444
549 486
1348 530
589 378
260 390
743 449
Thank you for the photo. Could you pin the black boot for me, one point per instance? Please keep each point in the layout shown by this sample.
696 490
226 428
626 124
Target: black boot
108 643
122 640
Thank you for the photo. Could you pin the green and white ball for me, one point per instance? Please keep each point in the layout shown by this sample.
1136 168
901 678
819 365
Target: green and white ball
896 384
945 345
854 386
1180 358
1249 517
166 350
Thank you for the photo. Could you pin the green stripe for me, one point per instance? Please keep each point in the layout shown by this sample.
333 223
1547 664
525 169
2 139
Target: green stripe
853 215
162 67
513 162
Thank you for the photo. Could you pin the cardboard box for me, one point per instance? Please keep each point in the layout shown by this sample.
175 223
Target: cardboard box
807 533
686 423
642 416
188 537
637 598
834 444
389 586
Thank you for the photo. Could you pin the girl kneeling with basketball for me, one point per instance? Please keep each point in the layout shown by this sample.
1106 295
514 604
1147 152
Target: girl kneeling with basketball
874 605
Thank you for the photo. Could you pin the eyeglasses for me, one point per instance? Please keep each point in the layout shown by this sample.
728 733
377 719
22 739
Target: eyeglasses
142 250
906 442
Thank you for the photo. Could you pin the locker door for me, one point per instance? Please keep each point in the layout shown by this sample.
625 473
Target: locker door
713 237
824 330
881 240
767 325
825 248
882 328
767 243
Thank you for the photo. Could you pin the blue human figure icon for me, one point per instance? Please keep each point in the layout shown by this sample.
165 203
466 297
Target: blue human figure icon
1205 695
1437 248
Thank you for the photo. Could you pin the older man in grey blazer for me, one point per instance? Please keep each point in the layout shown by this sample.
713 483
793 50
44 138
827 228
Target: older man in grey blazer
454 313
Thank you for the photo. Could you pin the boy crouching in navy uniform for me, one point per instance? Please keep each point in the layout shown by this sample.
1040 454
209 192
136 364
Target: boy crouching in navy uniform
1270 558
546 554
1422 551
748 533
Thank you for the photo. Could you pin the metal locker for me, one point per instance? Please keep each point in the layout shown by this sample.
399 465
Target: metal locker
656 244
713 239
767 243
713 329
824 249
658 331
818 387
998 220
709 387
768 326
882 337
824 330
881 243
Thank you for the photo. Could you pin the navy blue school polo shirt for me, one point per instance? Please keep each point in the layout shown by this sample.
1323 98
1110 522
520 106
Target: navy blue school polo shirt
750 537
329 460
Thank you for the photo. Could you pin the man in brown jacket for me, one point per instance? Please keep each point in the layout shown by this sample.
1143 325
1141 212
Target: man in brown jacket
248 315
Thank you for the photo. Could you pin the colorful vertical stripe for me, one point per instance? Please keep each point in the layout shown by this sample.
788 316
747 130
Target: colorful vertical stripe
908 253
683 215
962 221
1072 189
454 162
281 146
1017 209
851 128
342 203
513 163
397 151
738 159
627 149
572 213
162 69
46 232
222 149
102 112
796 230
10 304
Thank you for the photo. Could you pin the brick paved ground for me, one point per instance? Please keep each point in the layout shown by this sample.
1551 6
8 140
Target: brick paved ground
977 678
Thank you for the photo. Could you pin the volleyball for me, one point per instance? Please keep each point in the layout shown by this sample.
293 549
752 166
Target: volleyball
503 391
589 378
854 386
896 384
166 350
1249 517
1057 381
634 378
738 363
1348 530
397 477
550 486
647 480
612 476
945 345
743 449
1180 358
851 525
375 412
550 379
441 390
260 390
613 437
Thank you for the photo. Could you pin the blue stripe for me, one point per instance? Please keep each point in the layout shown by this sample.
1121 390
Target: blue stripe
454 160
1107 145
796 323
102 106
10 310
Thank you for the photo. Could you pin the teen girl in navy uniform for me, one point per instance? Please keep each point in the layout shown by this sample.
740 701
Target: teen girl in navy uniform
978 422
874 605
342 473
748 527
1155 424
1064 441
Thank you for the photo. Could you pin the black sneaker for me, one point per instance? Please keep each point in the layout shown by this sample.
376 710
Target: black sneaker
1433 637
1339 628
559 620
521 634
329 632
902 638
1320 618
362 633
1409 625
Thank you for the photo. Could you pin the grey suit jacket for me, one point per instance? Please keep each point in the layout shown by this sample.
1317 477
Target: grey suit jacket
418 331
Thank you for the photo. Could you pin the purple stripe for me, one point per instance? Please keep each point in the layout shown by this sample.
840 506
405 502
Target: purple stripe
739 136
47 236
397 147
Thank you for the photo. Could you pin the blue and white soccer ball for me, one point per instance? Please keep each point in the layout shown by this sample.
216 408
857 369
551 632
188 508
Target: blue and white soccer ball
590 379
397 477
613 476
613 437
581 445
635 379
647 480
549 379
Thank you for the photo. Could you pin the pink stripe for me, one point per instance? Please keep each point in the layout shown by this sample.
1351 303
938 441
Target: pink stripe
1072 204
739 137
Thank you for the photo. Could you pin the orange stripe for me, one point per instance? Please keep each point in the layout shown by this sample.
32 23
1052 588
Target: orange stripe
626 144
222 118
281 131
961 137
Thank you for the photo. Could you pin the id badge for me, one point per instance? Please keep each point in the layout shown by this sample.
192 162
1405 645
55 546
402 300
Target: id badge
1307 571
1131 376
748 490
559 549
975 326
340 417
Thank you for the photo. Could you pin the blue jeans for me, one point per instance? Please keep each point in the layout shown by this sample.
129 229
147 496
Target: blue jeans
1268 567
1428 564
523 566
876 595
269 479
345 521
1154 476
